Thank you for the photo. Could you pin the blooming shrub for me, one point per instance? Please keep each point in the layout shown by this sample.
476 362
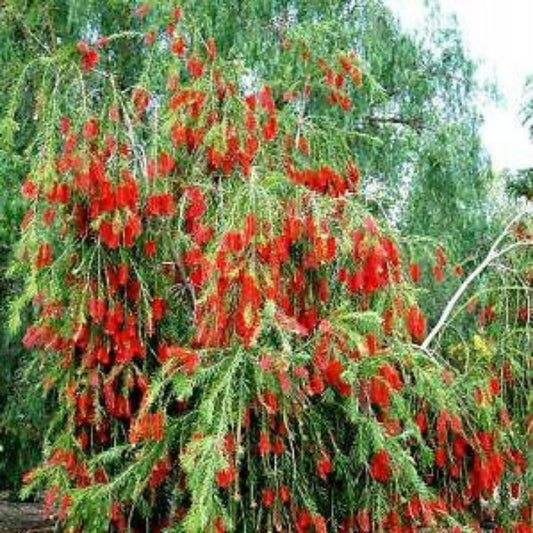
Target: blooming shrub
233 336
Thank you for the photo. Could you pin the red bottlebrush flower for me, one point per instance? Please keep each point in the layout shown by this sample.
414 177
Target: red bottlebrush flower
356 281
487 315
170 29
441 257
379 392
303 146
523 314
160 472
458 270
264 446
102 41
28 217
35 336
278 447
250 122
319 523
494 386
160 205
142 10
303 521
64 506
141 99
197 205
323 290
64 126
89 56
97 309
159 307
421 422
59 194
133 290
442 426
459 445
177 14
324 466
441 457
179 135
415 272
353 176
188 358
29 189
363 520
486 473
201 233
219 525
233 242
165 164
229 443
226 477
157 426
416 323
265 363
132 229
270 129
90 129
438 273
485 440
148 426
211 49
195 66
290 324
392 251
268 497
390 374
178 46
266 101
149 37
150 248
387 321
284 494
371 343
271 402
44 255
251 101
332 375
301 372
123 273
519 461
380 468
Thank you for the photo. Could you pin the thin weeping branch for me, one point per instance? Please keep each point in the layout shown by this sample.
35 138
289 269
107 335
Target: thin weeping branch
415 123
493 254
187 284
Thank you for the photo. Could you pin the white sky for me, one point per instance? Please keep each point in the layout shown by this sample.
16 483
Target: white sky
498 34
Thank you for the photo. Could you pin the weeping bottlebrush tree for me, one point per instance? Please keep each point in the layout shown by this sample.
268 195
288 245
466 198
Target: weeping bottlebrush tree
233 339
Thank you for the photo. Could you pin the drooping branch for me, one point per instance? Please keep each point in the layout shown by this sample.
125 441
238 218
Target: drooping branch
412 122
493 254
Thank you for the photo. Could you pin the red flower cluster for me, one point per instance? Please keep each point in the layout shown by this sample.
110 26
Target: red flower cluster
89 56
325 180
416 323
147 426
380 468
161 204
